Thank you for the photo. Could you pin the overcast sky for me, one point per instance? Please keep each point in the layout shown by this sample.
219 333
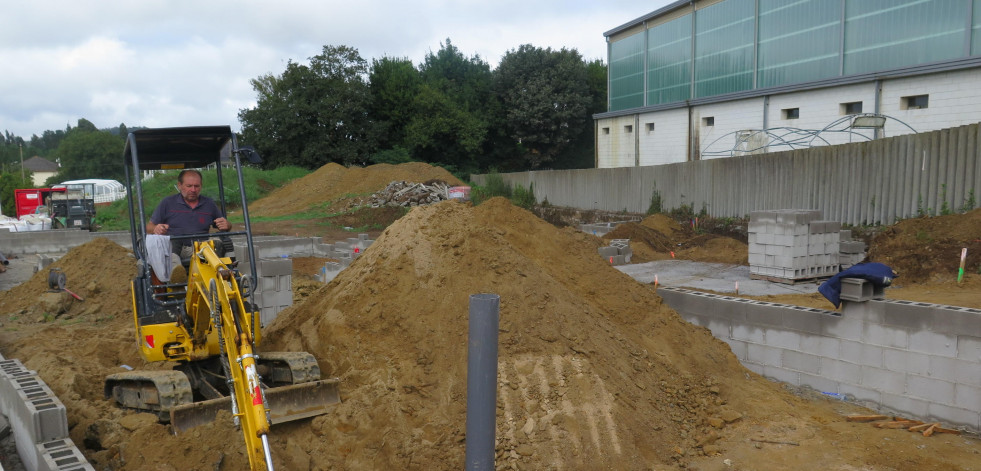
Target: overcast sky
161 63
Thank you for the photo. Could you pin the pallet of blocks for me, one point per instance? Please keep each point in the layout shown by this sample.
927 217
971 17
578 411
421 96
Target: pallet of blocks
792 245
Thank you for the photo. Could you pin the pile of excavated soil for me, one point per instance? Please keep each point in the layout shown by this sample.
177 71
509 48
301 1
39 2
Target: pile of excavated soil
658 237
595 372
333 181
929 248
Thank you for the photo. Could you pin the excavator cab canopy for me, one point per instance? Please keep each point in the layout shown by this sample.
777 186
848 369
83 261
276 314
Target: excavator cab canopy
180 148
197 147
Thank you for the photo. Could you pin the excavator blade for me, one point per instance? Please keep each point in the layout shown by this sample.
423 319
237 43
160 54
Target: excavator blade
286 404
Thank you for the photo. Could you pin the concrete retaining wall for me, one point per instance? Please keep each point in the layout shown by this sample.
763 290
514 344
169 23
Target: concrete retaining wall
907 358
57 241
861 183
38 420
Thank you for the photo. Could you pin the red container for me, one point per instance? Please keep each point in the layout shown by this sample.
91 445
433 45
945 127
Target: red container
27 200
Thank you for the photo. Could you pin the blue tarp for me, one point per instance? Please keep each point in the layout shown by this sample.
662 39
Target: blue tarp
876 273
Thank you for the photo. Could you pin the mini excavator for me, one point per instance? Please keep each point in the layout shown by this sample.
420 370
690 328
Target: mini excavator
207 325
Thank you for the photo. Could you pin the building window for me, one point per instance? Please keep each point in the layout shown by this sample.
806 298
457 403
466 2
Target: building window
650 128
790 113
708 121
628 128
606 130
915 102
854 107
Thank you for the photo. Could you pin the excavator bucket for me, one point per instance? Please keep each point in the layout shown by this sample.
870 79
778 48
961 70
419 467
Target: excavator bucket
286 404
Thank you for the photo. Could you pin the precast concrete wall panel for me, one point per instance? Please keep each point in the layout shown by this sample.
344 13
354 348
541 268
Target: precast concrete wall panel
861 183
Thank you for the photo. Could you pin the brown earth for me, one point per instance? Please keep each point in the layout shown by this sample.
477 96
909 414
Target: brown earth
334 182
591 377
658 237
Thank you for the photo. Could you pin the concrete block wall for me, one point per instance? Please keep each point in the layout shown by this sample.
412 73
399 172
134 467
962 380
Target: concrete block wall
792 244
901 357
274 270
274 285
38 419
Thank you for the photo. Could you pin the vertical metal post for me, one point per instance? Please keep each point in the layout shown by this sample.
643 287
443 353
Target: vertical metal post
482 381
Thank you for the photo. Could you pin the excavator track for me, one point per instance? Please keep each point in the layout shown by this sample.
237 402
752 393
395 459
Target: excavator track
288 368
295 391
156 392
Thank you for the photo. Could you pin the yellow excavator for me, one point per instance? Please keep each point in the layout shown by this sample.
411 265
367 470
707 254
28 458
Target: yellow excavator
208 326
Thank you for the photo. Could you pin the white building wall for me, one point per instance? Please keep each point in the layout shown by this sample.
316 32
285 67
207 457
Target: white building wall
954 100
728 118
664 137
818 109
615 141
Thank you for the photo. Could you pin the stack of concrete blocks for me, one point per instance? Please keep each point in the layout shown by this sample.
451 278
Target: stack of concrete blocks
617 253
792 244
274 288
38 420
850 251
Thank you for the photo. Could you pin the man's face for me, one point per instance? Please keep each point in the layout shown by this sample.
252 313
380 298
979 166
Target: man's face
190 188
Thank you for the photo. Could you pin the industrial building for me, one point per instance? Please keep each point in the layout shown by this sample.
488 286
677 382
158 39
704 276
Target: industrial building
709 79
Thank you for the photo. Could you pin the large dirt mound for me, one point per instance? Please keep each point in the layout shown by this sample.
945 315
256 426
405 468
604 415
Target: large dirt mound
595 372
334 181
99 271
929 248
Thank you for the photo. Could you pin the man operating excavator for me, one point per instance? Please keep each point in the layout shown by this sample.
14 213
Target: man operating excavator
185 213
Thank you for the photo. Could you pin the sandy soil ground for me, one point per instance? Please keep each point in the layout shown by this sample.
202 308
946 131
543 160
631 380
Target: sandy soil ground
595 371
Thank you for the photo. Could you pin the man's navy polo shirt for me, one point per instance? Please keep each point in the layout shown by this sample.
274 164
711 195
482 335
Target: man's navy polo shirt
182 219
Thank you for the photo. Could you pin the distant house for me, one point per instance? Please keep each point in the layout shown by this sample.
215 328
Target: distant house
41 168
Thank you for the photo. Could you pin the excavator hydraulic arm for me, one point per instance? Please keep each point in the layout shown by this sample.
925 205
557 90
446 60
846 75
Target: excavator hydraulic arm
212 285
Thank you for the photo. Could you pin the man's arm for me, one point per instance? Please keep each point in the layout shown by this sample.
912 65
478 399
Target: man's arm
159 229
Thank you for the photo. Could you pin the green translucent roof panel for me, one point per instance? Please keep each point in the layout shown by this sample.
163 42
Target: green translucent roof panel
724 37
669 61
976 29
888 34
798 41
627 72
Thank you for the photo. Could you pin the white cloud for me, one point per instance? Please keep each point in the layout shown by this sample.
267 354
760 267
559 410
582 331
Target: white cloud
182 62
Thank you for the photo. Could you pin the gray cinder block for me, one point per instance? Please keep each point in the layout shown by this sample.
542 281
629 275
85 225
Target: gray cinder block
61 455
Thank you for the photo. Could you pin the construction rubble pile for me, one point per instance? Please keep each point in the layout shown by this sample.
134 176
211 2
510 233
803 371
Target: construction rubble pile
407 194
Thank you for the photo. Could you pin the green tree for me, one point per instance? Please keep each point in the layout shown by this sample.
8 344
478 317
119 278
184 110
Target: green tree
87 152
547 97
394 84
312 114
581 153
9 181
454 110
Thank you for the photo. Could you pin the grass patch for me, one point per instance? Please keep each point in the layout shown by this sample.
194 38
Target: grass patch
258 184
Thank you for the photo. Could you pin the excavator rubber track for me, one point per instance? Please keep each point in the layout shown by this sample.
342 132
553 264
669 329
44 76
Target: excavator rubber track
294 391
156 391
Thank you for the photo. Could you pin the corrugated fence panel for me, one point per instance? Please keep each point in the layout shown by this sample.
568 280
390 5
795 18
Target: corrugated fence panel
860 183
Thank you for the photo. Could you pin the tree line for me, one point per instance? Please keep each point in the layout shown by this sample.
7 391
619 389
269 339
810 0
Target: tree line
532 111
